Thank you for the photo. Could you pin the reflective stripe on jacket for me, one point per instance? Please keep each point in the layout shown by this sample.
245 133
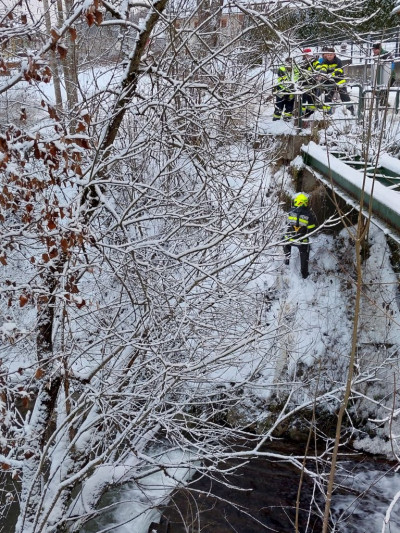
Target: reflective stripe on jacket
287 78
334 68
301 221
308 71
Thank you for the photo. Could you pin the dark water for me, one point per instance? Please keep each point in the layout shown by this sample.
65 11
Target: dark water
268 498
266 502
261 496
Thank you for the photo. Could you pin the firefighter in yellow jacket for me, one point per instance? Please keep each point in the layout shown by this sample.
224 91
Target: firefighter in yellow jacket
308 81
288 74
301 221
332 67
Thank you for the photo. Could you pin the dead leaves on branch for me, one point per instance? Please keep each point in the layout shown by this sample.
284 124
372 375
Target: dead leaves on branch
62 153
93 14
37 70
58 47
70 295
72 34
34 200
23 300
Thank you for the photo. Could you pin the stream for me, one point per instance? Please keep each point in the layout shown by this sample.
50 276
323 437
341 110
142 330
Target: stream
267 499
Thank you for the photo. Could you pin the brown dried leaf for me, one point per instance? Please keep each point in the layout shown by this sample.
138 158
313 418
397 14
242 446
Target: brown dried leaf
64 245
46 75
99 17
62 50
81 127
51 224
86 118
23 300
39 373
54 33
52 112
3 144
74 289
72 33
77 169
90 19
80 304
83 143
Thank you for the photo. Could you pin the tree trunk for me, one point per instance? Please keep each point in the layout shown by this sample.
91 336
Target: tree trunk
53 60
70 68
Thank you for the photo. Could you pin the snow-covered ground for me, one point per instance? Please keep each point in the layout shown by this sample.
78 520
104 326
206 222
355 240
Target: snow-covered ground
317 315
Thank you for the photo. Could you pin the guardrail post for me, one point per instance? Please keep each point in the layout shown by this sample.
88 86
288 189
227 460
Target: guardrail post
298 117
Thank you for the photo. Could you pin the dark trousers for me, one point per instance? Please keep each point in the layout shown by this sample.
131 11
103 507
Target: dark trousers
304 250
309 98
286 103
344 97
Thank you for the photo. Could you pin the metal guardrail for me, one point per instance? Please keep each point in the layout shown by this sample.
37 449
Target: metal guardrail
352 50
336 174
377 93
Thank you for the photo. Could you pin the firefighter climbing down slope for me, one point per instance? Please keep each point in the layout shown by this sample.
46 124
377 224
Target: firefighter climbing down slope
301 221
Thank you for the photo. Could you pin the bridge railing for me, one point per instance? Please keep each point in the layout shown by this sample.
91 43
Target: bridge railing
351 183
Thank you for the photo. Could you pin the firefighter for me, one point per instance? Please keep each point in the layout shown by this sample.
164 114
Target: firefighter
288 75
308 80
301 221
332 66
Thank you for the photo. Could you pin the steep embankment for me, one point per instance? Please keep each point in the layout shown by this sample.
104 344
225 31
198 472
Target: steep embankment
316 317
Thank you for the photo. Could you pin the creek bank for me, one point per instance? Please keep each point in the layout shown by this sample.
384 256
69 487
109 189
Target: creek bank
266 499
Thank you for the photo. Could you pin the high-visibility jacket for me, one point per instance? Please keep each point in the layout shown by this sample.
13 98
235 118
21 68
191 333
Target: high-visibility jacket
301 221
287 77
308 70
334 68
